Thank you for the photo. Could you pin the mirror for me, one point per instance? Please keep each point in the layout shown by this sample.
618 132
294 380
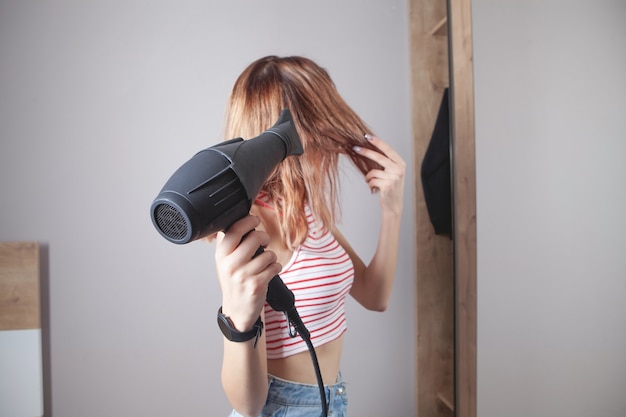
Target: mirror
440 41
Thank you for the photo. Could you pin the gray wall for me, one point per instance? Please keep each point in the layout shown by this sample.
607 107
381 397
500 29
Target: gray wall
550 98
99 103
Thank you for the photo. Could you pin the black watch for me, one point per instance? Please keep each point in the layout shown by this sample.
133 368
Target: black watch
229 331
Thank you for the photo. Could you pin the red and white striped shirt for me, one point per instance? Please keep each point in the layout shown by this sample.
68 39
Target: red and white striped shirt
320 274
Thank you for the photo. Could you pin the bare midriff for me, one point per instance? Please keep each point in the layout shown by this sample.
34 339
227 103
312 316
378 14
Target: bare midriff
299 367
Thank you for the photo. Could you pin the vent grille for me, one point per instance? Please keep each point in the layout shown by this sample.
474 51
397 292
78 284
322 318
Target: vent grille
171 222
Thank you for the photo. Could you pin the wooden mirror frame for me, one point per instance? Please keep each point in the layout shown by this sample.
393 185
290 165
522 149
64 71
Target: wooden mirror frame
464 201
441 57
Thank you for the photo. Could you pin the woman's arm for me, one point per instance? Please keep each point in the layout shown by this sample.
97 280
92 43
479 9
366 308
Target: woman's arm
243 280
373 283
244 375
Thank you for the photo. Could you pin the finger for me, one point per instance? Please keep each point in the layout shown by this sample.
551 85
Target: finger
393 174
211 238
251 278
384 179
381 159
230 239
265 266
379 183
378 174
384 147
252 243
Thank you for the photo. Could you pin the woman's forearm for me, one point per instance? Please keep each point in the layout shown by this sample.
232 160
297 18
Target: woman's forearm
379 274
373 282
244 375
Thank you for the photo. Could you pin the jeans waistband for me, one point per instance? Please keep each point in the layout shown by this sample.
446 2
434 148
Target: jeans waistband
296 393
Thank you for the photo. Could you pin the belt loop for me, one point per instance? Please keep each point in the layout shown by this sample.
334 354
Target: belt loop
330 397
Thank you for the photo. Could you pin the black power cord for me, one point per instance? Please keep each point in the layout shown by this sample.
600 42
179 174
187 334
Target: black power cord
280 298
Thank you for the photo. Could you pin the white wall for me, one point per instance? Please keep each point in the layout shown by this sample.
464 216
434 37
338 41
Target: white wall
99 103
550 98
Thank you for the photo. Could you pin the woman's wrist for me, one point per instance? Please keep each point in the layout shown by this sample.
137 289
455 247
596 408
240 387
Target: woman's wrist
392 215
241 321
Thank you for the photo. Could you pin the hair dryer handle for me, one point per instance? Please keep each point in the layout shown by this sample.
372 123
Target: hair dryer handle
279 297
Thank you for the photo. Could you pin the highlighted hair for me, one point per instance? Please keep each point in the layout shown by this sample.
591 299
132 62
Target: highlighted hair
327 127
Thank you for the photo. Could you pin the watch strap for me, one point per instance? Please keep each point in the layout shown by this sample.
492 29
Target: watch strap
232 334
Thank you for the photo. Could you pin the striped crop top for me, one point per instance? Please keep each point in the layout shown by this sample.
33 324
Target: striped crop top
320 275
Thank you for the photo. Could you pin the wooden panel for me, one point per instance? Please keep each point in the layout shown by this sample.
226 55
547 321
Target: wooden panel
433 258
464 183
19 286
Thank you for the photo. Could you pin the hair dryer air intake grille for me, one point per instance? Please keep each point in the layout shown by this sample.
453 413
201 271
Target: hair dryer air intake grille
171 222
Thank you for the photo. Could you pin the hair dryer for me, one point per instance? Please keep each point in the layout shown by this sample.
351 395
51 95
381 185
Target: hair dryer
217 186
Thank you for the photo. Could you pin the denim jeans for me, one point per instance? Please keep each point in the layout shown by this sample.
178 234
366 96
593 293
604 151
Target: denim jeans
291 399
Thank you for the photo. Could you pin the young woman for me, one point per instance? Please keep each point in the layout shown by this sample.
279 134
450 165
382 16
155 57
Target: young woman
294 218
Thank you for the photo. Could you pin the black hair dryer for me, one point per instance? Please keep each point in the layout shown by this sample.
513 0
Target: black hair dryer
218 185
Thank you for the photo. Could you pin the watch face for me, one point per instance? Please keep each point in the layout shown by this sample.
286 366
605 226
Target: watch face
225 326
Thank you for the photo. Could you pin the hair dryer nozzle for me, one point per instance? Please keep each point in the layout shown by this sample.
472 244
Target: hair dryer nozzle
217 186
285 129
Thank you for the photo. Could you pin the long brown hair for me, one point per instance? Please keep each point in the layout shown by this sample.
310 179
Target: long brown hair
327 127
